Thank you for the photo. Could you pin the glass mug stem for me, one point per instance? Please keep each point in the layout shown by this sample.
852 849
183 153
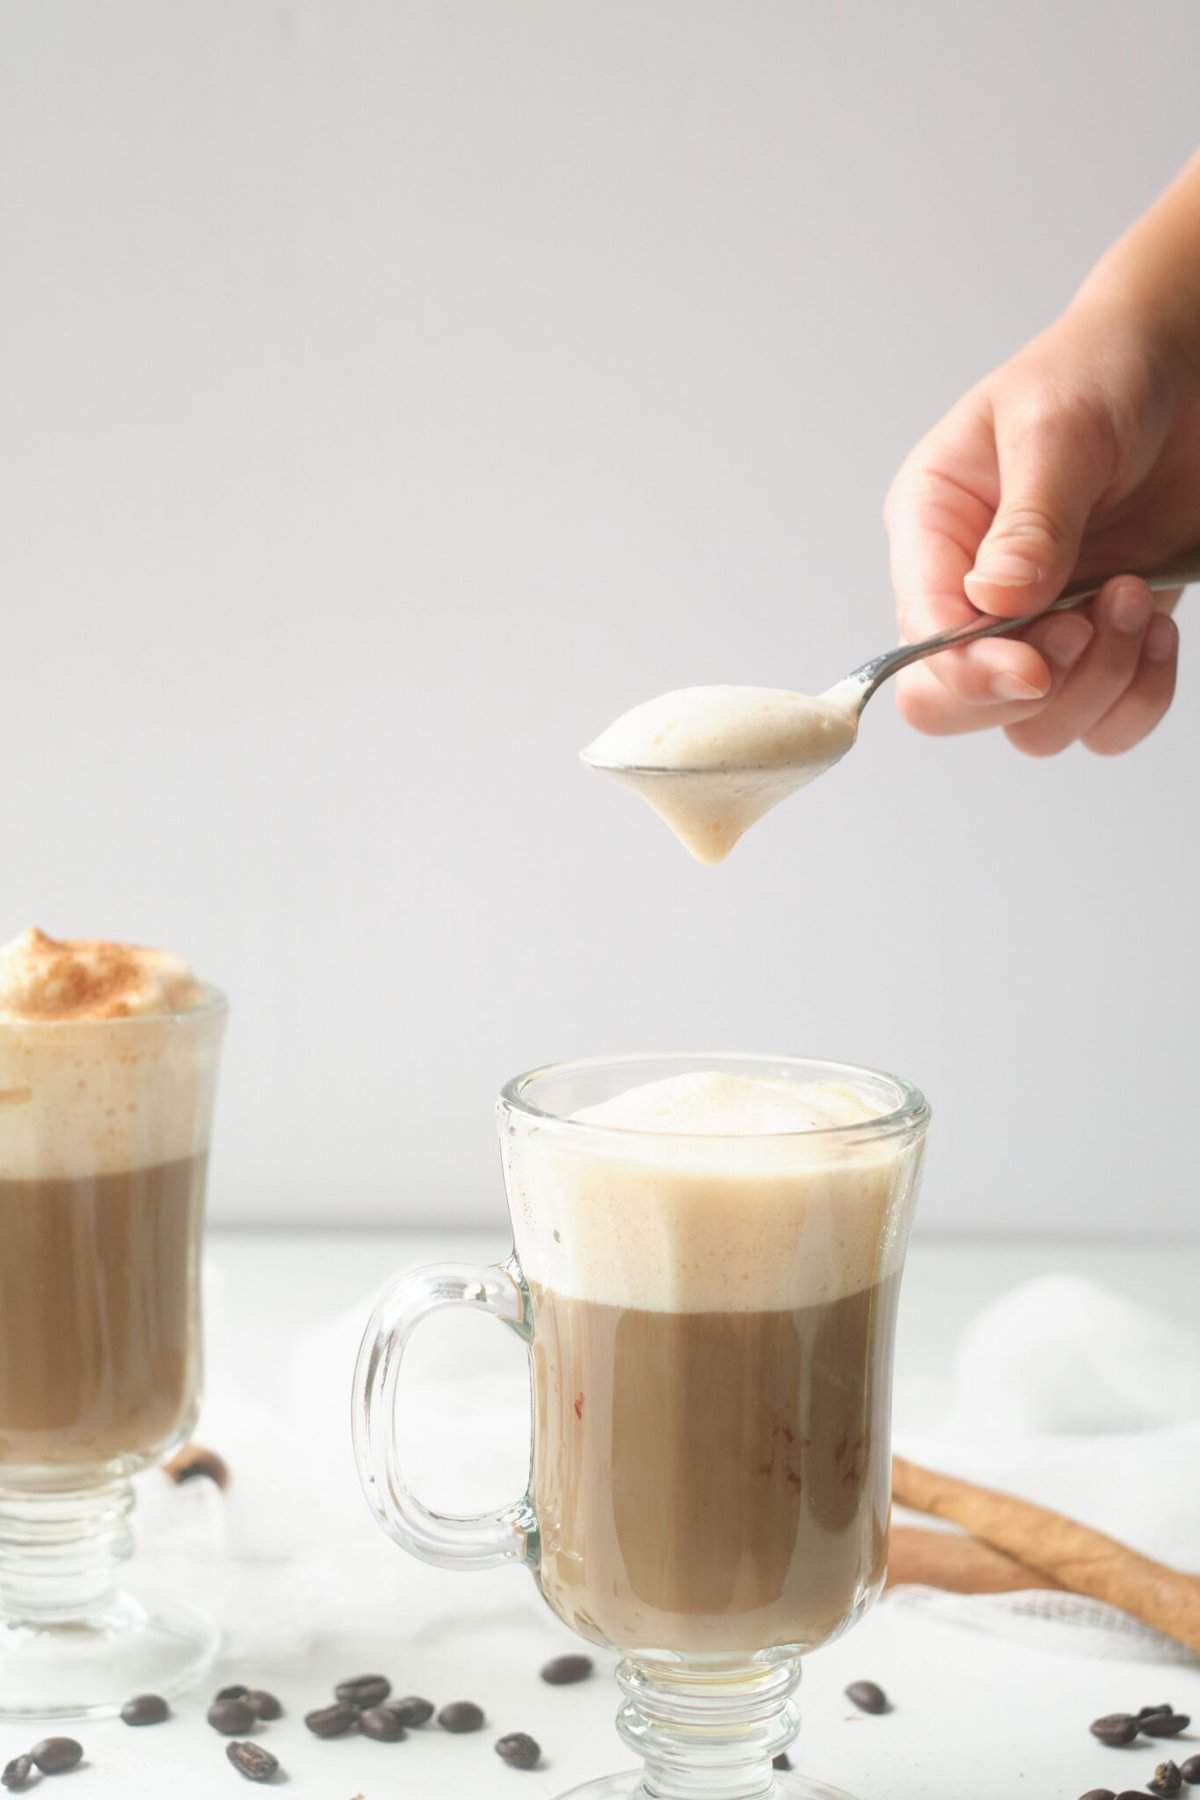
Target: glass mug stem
708 1737
60 1550
478 1541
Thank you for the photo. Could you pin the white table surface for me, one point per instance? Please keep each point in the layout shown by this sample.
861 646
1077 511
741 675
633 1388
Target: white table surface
310 1592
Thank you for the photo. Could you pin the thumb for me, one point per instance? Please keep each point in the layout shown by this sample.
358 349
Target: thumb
1052 472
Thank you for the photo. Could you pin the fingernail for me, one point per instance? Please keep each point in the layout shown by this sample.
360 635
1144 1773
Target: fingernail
1066 640
1160 639
1131 608
1007 686
1003 568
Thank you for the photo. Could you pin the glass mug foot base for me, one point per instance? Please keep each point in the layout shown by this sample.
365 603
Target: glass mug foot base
629 1786
88 1670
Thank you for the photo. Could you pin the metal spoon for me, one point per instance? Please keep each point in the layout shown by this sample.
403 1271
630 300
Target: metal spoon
763 744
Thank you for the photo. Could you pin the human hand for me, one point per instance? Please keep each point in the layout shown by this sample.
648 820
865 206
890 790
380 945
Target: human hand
1079 456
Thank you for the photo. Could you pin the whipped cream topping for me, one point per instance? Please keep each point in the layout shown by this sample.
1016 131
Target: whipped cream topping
61 979
108 1055
712 760
711 1192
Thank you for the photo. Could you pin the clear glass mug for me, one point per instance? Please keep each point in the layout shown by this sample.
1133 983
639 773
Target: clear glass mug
710 1323
104 1136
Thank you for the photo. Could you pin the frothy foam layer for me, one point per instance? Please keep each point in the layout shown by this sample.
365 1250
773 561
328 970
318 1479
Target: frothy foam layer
89 978
106 1059
712 760
701 1104
709 1193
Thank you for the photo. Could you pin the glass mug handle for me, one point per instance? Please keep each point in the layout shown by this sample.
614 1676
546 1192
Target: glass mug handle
448 1540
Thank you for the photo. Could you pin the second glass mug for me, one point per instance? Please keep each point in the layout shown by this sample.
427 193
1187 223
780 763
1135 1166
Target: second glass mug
710 1323
104 1137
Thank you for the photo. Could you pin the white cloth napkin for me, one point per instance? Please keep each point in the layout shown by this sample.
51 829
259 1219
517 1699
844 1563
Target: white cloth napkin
1068 1394
291 1553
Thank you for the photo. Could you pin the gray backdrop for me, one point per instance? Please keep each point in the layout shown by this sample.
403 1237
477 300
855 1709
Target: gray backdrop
390 393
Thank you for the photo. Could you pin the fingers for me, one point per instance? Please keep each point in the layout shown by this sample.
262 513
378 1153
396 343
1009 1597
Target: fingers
988 515
1148 695
927 704
1053 465
992 672
1114 691
939 508
935 520
1112 678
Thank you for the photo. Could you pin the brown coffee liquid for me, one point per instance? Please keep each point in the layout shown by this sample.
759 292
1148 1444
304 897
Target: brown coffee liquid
712 1483
99 1315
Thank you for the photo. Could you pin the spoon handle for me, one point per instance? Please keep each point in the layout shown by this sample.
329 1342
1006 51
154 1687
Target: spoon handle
1178 572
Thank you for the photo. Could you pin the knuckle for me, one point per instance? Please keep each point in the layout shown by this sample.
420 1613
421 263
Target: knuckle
908 483
905 481
930 494
1053 424
1051 414
934 509
1027 522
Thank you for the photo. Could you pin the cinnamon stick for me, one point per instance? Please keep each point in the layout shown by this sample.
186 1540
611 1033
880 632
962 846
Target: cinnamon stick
957 1562
1083 1560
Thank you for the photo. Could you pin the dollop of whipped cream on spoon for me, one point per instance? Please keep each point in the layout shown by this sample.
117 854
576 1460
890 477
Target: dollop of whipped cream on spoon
712 760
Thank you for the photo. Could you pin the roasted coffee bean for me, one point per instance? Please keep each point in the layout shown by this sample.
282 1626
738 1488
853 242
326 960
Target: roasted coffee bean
1165 1724
1115 1728
231 1716
1190 1770
1148 1712
332 1721
1166 1780
252 1761
17 1772
262 1704
236 1692
868 1696
519 1750
412 1710
1131 1794
784 1761
54 1756
381 1722
364 1690
560 1671
1098 1794
145 1709
460 1715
